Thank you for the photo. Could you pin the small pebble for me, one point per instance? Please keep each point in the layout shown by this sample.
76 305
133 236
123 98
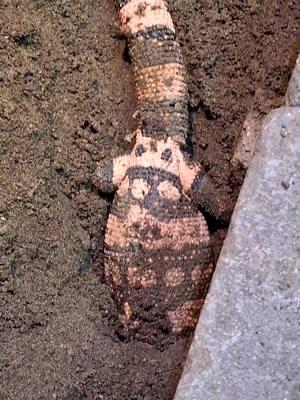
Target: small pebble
129 137
283 132
3 230
203 145
86 243
119 100
54 134
285 184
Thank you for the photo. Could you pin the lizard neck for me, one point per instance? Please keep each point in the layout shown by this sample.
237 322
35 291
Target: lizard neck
162 96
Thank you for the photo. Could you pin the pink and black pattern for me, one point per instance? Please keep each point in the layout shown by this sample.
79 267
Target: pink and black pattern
157 252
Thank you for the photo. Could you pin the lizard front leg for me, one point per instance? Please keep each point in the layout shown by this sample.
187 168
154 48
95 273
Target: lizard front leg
204 192
110 174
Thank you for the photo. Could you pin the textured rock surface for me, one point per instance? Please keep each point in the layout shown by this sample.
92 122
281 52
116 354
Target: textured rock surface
292 97
246 346
246 145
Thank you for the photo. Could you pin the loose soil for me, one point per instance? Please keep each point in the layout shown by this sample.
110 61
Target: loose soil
66 102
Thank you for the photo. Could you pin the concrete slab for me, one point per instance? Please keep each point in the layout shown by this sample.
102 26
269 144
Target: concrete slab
247 342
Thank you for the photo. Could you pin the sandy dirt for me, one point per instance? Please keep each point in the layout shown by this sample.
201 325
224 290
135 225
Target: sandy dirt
66 100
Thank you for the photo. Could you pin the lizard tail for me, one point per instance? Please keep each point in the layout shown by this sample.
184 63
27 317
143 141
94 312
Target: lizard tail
159 72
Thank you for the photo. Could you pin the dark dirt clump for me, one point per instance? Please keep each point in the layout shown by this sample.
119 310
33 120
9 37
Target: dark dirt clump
66 102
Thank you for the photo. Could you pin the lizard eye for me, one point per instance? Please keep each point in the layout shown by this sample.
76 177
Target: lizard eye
166 154
168 191
140 188
140 149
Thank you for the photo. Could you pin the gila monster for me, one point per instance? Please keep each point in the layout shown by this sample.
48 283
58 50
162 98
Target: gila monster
157 251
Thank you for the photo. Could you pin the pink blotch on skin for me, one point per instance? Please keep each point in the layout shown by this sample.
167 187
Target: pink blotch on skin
188 174
133 276
148 279
174 277
124 187
140 188
168 191
120 166
127 311
186 315
197 274
154 13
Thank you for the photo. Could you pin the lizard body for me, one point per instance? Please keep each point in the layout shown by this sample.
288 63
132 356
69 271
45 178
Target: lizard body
157 253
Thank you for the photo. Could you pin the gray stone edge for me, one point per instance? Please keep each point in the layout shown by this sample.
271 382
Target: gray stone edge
262 146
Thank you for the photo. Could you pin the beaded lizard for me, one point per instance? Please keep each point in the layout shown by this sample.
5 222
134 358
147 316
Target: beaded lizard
158 262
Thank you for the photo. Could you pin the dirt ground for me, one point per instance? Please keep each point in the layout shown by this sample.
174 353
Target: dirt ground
66 100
